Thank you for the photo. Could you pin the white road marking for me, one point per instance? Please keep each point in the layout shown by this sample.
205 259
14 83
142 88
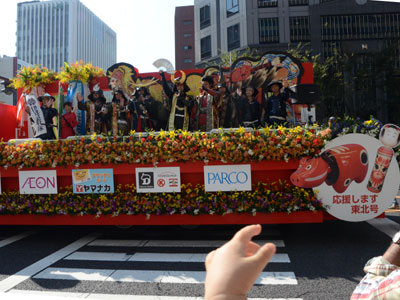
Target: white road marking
29 271
385 225
172 243
117 243
99 256
155 257
15 238
265 278
39 295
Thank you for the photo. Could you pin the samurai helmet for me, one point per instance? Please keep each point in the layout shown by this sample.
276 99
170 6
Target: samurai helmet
179 77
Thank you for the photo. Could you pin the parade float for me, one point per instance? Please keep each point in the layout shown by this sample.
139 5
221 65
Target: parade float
226 176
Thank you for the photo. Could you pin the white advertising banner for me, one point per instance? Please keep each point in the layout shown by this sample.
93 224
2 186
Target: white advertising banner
158 180
227 178
38 182
36 116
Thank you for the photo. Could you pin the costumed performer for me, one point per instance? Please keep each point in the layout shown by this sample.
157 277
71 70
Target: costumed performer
68 121
179 102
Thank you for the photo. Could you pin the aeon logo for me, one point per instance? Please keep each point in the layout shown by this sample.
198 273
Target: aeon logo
40 182
227 178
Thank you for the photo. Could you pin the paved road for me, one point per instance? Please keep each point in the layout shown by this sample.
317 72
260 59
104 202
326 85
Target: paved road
313 261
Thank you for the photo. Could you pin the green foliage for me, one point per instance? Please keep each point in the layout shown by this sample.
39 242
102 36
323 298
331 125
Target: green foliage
227 58
358 85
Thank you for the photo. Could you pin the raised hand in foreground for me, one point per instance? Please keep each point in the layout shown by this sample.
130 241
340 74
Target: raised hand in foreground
233 268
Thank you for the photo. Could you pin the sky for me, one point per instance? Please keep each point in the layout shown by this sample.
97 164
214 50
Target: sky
144 28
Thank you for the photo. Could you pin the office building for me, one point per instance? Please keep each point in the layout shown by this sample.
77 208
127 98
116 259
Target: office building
50 33
222 26
184 37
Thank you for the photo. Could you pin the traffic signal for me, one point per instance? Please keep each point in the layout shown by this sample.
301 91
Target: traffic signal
5 87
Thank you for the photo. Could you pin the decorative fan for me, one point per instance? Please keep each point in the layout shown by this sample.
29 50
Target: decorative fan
165 64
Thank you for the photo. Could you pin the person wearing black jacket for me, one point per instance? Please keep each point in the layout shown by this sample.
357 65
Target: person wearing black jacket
275 106
179 102
249 108
145 107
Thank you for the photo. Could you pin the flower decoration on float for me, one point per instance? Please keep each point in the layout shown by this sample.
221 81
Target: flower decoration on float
79 71
193 200
234 146
30 77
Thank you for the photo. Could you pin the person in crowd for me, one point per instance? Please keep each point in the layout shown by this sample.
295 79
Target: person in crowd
227 108
179 102
102 113
206 113
382 279
163 112
274 108
49 113
395 204
121 114
145 107
232 269
249 108
68 121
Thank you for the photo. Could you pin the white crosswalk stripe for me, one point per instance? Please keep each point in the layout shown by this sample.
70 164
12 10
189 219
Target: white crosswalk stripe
155 257
152 276
15 238
172 243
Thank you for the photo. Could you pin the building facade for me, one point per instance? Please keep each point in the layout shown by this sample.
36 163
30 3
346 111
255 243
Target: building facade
50 33
222 26
184 37
8 69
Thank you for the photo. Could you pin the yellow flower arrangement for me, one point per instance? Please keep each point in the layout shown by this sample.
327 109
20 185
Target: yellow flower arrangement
235 146
79 71
30 77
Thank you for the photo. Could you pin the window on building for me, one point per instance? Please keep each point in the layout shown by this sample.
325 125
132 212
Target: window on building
205 45
205 20
360 27
186 35
298 2
232 7
187 47
233 37
268 30
299 29
267 3
187 22
187 60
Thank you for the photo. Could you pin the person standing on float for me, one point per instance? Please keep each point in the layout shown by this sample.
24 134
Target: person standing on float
179 102
206 117
68 121
122 112
274 109
249 108
49 112
102 113
144 105
227 108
